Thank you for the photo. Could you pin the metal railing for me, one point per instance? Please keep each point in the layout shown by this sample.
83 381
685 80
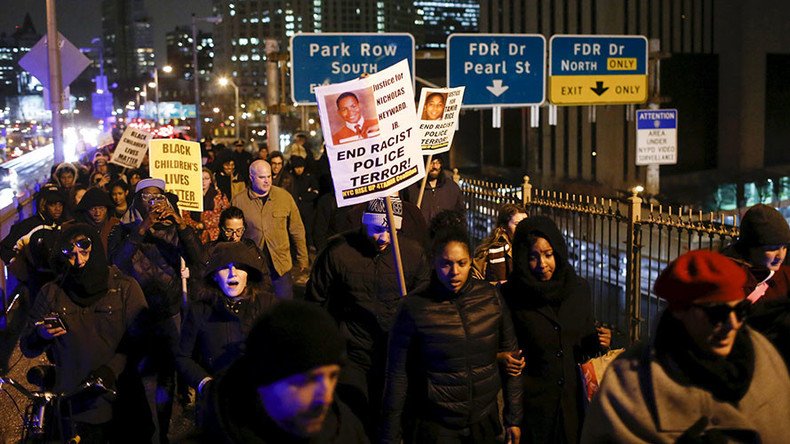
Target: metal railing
618 244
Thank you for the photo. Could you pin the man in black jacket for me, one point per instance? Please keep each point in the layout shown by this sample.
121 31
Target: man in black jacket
148 245
441 192
282 390
355 278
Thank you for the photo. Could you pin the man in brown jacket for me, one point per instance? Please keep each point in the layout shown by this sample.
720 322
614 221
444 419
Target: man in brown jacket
706 376
273 223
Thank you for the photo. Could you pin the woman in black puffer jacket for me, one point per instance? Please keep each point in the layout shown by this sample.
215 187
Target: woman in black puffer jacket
442 362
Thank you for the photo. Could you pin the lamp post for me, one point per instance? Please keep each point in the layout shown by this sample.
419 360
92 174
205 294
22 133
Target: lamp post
166 69
225 81
213 20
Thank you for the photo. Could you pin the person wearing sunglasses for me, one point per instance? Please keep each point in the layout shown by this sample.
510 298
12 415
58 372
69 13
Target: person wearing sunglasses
705 376
761 250
84 320
148 245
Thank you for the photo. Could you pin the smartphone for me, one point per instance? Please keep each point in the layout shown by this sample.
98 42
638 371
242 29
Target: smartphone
53 321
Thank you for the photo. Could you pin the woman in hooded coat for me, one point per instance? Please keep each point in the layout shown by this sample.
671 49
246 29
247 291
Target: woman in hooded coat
553 318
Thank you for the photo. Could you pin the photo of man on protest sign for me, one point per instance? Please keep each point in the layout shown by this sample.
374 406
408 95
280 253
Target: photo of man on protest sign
384 159
355 118
439 110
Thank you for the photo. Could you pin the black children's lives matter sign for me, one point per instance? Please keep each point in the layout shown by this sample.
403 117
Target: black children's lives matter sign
131 149
178 163
370 128
438 111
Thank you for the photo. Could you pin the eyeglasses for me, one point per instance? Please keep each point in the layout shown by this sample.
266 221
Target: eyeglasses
153 198
82 244
720 313
231 231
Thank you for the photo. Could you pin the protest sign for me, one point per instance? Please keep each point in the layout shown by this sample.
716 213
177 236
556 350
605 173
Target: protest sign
177 162
104 139
131 148
370 128
438 111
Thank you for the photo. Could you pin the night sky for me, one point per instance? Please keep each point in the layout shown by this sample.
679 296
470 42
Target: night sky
80 20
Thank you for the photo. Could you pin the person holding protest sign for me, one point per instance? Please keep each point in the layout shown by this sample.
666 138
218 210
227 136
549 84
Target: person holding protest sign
355 126
274 224
441 191
355 279
433 108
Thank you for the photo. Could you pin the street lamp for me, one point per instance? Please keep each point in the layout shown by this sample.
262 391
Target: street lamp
166 69
224 81
196 78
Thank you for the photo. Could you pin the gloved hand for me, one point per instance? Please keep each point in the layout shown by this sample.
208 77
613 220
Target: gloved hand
103 376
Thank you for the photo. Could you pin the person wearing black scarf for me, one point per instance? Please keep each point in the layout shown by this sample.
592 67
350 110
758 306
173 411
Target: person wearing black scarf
552 313
99 309
705 376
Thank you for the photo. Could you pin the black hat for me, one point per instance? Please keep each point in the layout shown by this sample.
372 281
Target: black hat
51 193
298 161
242 255
763 225
94 197
291 338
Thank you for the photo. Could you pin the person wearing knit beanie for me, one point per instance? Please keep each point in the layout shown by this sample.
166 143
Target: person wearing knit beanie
761 250
283 389
704 376
764 236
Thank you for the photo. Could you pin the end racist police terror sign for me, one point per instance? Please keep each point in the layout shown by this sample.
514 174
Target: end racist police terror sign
370 128
178 163
325 58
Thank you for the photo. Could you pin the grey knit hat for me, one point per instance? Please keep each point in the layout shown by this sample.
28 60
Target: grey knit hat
763 225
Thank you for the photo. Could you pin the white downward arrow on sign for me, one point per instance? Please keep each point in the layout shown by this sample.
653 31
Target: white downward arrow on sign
497 89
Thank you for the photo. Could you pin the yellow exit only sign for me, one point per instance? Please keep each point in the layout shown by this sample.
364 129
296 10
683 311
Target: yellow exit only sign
597 70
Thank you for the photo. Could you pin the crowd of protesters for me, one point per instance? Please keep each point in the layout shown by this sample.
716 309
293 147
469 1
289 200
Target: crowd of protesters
117 285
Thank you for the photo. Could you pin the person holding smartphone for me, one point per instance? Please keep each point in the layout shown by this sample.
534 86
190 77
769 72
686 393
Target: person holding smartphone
84 319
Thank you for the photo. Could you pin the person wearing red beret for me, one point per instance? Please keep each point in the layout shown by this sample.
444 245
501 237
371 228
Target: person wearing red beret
761 250
705 376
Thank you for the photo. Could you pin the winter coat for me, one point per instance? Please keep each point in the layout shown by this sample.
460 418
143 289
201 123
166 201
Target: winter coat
359 287
553 343
275 227
20 233
770 314
639 401
155 263
212 336
493 259
209 218
235 416
97 335
442 359
446 195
